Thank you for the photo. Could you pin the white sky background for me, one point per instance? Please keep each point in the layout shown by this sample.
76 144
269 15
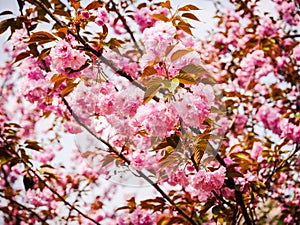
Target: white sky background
206 17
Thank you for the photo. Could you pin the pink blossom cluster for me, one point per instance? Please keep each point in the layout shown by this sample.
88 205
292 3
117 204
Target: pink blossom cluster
268 28
125 63
197 103
296 52
138 217
203 182
289 11
143 16
270 117
31 68
64 58
102 17
159 119
254 65
157 39
18 39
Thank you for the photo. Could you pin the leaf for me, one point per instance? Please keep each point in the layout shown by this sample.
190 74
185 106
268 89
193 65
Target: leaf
155 204
48 170
193 69
148 71
185 27
107 160
174 84
185 78
70 87
180 53
142 5
152 87
75 4
4 157
166 4
22 55
198 152
172 141
115 43
32 144
5 24
62 13
188 8
28 182
41 37
169 49
171 84
190 16
44 53
161 17
94 5
6 12
216 210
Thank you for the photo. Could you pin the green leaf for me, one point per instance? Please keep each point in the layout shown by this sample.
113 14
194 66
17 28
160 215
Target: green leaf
171 84
216 210
185 78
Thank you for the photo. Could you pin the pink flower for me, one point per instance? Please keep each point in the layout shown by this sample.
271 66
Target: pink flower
267 27
85 14
158 118
30 68
72 127
157 38
197 104
256 151
179 177
141 217
204 182
64 58
240 123
288 219
296 52
102 17
18 39
143 16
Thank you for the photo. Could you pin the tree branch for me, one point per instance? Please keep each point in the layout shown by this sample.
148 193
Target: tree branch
126 27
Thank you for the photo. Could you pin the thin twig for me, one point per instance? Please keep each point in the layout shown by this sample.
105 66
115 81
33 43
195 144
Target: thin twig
123 20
